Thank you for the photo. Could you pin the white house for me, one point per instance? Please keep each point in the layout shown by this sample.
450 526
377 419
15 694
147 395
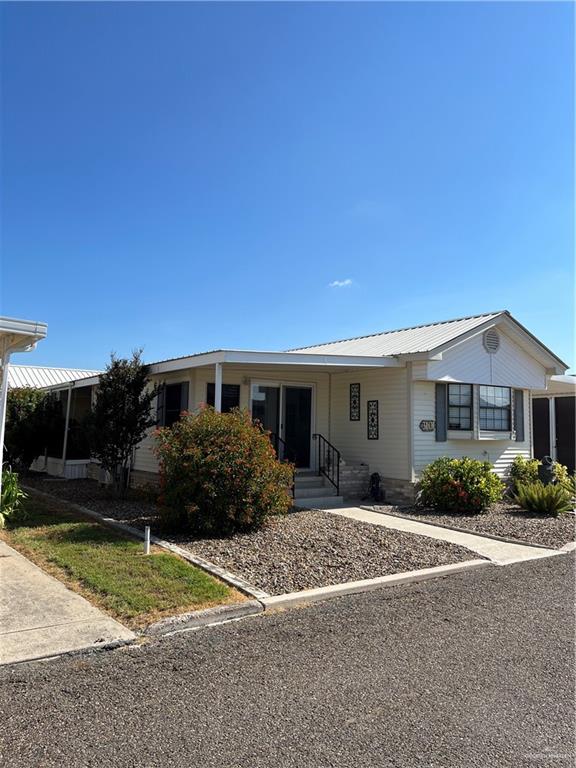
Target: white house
389 403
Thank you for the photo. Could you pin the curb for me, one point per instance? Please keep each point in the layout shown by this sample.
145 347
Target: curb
292 599
202 618
214 570
77 652
570 547
505 539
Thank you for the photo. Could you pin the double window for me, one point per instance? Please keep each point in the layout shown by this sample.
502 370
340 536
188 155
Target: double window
495 405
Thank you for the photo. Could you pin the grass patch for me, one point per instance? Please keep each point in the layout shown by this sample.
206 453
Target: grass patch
110 569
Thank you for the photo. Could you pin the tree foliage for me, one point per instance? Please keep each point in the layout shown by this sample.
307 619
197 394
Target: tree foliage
32 417
121 415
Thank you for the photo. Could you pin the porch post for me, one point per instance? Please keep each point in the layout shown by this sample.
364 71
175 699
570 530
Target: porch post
66 426
218 387
552 420
3 398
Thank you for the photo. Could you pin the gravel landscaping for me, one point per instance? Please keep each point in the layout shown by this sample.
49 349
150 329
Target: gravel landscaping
301 550
504 519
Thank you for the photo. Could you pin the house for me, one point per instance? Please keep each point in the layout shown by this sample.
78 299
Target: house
554 421
388 403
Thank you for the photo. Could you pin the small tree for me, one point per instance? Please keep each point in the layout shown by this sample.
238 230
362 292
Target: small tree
121 415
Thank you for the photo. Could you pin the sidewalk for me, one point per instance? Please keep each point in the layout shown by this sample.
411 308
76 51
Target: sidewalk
499 552
40 617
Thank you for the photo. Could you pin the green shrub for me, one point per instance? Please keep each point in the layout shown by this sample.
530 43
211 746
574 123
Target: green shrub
459 485
552 499
219 474
524 471
11 498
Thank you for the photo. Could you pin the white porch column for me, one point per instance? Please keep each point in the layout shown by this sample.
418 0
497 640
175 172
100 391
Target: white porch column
66 427
3 397
552 418
218 387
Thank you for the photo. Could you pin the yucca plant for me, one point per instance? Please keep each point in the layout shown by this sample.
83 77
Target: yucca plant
12 496
553 499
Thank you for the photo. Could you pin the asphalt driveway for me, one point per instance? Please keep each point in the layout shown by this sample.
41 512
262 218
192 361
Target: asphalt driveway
474 670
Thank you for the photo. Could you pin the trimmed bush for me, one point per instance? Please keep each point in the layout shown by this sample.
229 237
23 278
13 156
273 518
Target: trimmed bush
552 499
219 474
459 485
11 498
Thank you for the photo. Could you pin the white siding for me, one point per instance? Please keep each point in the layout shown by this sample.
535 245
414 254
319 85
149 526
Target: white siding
501 453
389 454
469 362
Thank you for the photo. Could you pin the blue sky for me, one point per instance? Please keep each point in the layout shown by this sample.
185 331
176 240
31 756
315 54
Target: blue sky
190 176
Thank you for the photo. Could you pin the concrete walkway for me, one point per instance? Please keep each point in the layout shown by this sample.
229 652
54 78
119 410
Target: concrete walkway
499 552
40 617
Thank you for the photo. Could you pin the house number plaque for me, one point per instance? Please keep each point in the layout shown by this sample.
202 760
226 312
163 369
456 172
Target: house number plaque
427 425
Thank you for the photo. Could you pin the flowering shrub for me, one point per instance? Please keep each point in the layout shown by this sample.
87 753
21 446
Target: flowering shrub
459 485
219 474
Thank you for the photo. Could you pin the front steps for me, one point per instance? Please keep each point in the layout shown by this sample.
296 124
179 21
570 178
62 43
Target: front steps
314 491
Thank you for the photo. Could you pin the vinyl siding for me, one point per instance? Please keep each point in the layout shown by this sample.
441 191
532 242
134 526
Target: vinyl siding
469 362
389 454
501 453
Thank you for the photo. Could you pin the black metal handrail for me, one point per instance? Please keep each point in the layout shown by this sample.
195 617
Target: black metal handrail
328 460
284 453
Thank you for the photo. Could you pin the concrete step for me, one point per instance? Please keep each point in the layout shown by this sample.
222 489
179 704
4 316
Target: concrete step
311 492
309 480
319 502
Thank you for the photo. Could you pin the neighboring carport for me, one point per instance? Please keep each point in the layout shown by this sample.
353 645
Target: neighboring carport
15 336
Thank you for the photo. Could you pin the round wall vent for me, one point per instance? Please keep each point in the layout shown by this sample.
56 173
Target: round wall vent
491 340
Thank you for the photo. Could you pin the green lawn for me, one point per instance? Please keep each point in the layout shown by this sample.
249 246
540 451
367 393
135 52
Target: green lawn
110 570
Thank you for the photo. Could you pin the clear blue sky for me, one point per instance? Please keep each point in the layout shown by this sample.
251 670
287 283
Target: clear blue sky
186 176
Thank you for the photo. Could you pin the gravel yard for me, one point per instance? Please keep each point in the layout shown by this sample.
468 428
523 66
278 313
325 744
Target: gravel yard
504 519
299 551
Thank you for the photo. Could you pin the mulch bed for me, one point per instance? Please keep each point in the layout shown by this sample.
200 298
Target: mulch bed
504 519
301 550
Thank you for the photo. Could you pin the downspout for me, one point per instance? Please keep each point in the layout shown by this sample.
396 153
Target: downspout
66 427
410 413
3 400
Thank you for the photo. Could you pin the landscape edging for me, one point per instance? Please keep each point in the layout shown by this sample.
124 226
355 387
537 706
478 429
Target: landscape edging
291 599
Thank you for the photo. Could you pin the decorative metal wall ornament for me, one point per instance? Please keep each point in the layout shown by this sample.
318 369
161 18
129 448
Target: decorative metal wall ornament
354 402
427 425
373 420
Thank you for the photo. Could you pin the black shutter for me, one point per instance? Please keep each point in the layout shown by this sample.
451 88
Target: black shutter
519 414
161 405
441 412
185 388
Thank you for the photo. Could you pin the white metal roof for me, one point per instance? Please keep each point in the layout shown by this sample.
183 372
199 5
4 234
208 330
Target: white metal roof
37 376
405 341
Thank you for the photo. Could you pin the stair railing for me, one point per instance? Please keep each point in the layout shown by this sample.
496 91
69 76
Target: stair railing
328 460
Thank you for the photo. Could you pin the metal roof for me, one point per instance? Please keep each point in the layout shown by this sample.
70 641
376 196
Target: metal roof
404 341
38 377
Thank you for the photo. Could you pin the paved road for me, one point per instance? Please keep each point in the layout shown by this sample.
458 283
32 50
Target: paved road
474 670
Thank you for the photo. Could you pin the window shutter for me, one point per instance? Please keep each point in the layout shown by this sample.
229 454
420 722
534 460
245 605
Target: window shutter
161 405
519 414
441 412
185 388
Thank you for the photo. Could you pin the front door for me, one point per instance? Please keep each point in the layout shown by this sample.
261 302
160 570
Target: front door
298 423
565 431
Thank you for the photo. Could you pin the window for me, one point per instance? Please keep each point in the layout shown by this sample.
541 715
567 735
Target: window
460 406
230 396
172 400
495 408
